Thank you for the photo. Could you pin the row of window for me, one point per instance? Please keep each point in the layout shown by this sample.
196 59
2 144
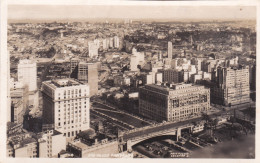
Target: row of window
71 133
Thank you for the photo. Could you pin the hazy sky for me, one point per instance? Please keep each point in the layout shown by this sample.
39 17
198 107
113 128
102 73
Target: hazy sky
105 11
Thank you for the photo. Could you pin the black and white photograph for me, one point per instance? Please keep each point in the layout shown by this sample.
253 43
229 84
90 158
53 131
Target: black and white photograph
131 80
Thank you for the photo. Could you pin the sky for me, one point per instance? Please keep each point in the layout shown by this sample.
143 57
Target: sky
134 12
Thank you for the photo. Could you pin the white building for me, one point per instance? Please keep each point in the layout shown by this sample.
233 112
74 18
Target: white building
116 42
27 74
136 59
159 77
51 143
93 49
104 41
65 106
133 63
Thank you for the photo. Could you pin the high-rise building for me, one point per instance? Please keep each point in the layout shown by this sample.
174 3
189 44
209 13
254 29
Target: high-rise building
170 50
104 44
111 42
172 76
116 42
65 106
93 49
169 102
232 85
17 111
87 72
27 74
73 64
136 59
133 63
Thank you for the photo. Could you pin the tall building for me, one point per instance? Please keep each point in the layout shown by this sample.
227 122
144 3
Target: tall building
50 143
27 74
17 111
104 44
87 72
111 42
93 49
173 102
116 42
136 59
73 64
170 50
133 63
65 106
233 85
171 75
19 101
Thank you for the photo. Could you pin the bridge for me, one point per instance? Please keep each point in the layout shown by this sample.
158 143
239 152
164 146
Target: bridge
135 136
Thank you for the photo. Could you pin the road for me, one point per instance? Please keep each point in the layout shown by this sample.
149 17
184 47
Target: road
147 131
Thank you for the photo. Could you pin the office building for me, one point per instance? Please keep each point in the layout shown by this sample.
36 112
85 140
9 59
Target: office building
136 59
65 106
92 49
116 42
172 76
111 42
87 72
73 64
50 143
232 86
26 148
17 111
170 50
104 44
27 74
169 102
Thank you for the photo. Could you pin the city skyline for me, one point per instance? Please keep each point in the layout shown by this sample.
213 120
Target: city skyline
121 80
60 12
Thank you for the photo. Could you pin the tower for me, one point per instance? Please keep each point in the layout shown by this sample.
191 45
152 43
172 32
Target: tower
170 50
65 106
27 74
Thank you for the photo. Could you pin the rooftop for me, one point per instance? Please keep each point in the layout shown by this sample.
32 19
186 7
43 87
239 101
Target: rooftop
170 87
67 82
80 145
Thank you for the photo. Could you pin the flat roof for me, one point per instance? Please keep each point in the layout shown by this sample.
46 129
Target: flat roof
66 82
80 145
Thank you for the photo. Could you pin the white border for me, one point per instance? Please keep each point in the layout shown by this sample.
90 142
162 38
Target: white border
4 62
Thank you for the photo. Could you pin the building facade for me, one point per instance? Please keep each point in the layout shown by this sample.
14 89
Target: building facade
87 72
92 49
168 102
170 50
233 85
171 75
65 106
51 143
27 74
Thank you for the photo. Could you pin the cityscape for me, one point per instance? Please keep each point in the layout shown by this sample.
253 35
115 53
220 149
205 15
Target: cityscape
132 87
